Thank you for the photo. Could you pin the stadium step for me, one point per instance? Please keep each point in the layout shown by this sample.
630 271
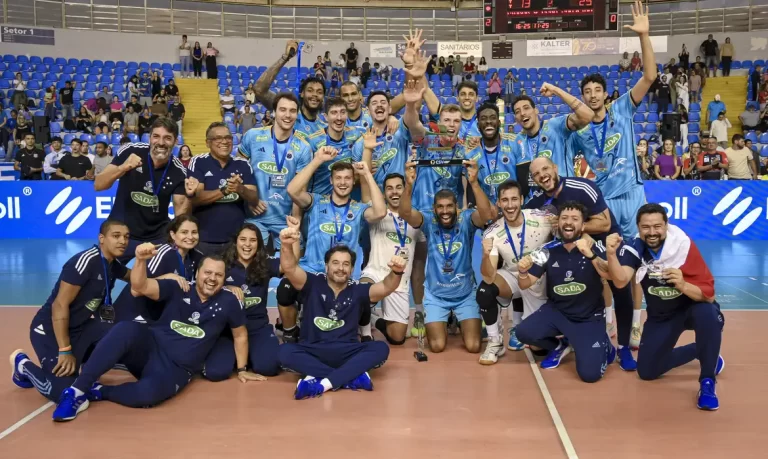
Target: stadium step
201 102
733 92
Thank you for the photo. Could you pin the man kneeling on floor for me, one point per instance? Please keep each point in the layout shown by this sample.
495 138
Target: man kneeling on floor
164 356
329 355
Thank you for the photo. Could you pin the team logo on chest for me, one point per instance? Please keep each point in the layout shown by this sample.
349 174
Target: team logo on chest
327 324
186 330
147 199
569 289
93 305
568 276
385 156
665 293
231 197
195 318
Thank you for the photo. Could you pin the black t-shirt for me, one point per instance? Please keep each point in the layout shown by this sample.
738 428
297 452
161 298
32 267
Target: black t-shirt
176 111
366 67
22 132
351 55
135 200
709 159
172 90
66 96
710 47
30 158
75 167
137 108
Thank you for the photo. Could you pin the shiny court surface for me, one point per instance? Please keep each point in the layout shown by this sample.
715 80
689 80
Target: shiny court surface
448 407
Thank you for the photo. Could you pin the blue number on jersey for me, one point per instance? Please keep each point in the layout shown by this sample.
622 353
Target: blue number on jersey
321 181
459 283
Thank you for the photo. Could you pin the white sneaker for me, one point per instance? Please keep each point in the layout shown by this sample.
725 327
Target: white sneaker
493 350
634 336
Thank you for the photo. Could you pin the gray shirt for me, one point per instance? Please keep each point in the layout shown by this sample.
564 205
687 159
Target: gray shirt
101 162
750 118
247 121
131 119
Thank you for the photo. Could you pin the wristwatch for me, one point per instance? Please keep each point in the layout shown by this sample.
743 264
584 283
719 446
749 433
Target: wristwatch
594 255
242 370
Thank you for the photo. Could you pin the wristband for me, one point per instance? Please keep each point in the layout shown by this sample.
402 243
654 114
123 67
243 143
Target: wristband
65 352
522 275
398 273
242 370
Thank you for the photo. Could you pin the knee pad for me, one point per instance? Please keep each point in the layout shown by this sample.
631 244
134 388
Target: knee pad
395 342
286 294
486 297
518 305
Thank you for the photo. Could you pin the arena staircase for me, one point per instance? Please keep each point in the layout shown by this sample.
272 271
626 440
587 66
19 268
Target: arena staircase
201 102
733 92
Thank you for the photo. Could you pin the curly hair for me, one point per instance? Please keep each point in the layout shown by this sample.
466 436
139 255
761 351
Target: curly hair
257 271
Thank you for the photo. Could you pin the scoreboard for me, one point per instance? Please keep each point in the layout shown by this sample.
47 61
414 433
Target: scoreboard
531 16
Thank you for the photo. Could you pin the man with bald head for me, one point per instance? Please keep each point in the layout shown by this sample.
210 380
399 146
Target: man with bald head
555 190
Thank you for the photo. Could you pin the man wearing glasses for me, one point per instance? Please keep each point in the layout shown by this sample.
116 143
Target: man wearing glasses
223 187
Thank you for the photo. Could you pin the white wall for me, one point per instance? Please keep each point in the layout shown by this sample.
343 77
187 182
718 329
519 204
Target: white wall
243 51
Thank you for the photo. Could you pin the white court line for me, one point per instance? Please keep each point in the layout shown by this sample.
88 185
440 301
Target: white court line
25 420
561 432
752 278
744 291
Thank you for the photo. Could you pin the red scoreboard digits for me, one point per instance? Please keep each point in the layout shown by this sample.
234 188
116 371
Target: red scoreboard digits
528 16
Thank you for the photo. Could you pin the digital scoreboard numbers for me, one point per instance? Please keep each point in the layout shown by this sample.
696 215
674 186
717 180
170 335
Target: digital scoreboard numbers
531 16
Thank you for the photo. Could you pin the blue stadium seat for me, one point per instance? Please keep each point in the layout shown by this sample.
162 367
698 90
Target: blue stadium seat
751 135
763 138
693 127
694 117
695 107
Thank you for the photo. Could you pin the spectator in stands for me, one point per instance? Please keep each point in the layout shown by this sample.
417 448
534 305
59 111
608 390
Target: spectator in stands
712 163
145 121
334 88
250 94
663 95
625 64
667 165
83 120
171 89
366 75
694 86
178 112
246 120
130 121
327 65
66 100
10 131
762 95
267 119
19 98
432 66
101 122
741 165
74 166
341 64
763 120
750 118
52 159
509 90
145 89
133 87
319 64
135 104
714 108
351 57
29 159
457 72
227 102
160 105
719 129
643 159
755 79
726 56
710 50
690 160
184 52
185 155
353 77
50 103
4 132
482 67
155 84
197 60
684 57
210 61
683 92
23 127
636 62
683 126
85 151
494 87
385 73
440 68
103 157
469 66
104 93
160 98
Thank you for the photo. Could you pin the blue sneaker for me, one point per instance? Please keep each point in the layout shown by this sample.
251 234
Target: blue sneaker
514 344
95 395
720 365
308 389
627 361
19 379
556 355
707 396
362 382
70 405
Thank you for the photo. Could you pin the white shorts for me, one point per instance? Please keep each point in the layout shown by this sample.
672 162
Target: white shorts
533 297
395 307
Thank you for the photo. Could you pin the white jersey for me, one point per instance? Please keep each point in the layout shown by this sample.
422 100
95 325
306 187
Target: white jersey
538 231
384 244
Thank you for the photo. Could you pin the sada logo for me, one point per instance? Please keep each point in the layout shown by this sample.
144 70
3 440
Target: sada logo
737 211
69 210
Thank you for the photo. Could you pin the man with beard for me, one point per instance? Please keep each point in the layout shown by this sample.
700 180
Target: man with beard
276 155
391 235
357 115
333 220
680 294
548 139
311 94
150 176
575 307
338 136
64 331
508 240
469 132
222 187
450 234
165 356
555 190
329 355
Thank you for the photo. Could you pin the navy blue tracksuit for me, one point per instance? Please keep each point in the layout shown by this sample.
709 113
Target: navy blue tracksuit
574 308
329 346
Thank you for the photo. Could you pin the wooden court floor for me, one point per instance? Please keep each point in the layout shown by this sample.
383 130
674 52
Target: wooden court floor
448 407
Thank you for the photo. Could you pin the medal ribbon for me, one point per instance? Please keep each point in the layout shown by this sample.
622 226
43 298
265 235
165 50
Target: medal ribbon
339 230
402 237
599 147
156 188
447 255
511 241
280 159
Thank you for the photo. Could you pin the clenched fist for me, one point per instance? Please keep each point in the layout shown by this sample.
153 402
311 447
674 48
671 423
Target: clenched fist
131 163
612 243
146 251
397 264
524 264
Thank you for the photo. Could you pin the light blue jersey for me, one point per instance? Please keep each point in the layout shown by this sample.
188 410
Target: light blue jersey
325 220
497 166
321 181
551 142
469 128
458 282
390 157
430 180
617 172
364 121
304 127
258 146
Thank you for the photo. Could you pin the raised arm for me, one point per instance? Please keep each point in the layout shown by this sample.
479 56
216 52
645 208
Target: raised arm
490 261
378 209
642 28
413 93
297 188
289 263
261 87
406 211
485 210
389 284
582 114
140 284
620 275
111 173
525 279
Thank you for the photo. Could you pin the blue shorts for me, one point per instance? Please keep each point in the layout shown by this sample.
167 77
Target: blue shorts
624 207
437 309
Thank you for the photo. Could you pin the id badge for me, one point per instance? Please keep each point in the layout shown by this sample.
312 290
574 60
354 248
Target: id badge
277 181
107 314
402 252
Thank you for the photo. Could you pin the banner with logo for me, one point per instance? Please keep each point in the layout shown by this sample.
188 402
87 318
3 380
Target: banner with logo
714 210
545 48
594 46
632 44
430 49
460 48
383 51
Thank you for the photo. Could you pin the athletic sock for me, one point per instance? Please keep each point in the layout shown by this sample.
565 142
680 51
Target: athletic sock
326 384
20 367
365 329
609 314
493 329
517 317
78 392
636 316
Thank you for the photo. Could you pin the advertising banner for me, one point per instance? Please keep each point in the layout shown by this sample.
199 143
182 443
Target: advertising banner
546 48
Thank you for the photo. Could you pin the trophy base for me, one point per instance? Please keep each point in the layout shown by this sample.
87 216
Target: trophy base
420 356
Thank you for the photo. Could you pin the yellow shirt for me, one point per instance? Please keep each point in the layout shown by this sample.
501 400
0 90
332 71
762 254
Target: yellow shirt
726 50
738 163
